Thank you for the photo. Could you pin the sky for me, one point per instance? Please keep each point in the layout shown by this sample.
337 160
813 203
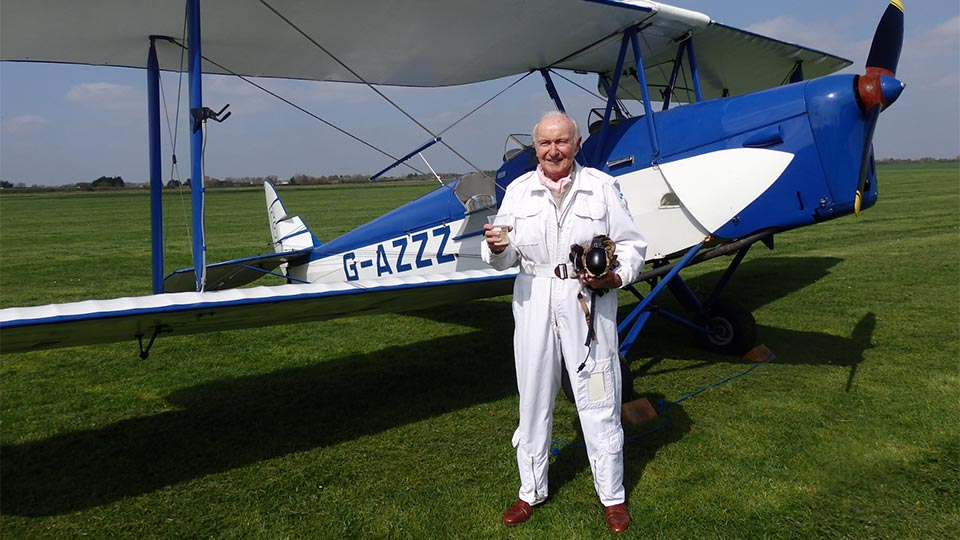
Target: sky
62 124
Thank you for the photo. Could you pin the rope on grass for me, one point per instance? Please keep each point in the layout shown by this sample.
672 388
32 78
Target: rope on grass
661 408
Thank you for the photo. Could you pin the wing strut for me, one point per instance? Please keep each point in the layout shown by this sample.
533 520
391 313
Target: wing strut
144 353
631 39
667 92
686 47
196 143
156 171
694 71
647 105
637 318
200 115
552 89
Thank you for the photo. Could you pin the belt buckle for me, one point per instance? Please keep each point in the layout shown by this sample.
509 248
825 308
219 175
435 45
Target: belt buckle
561 271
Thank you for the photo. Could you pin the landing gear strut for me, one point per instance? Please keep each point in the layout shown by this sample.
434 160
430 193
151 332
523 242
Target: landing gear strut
732 328
722 325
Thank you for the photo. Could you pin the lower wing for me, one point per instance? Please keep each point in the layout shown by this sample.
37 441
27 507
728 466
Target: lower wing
107 321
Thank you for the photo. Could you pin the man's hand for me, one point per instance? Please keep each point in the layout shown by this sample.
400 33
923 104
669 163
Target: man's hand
492 236
610 280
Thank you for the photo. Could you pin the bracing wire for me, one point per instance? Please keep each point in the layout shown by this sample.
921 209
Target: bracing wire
578 85
331 125
172 133
620 104
435 175
480 106
365 82
309 113
659 67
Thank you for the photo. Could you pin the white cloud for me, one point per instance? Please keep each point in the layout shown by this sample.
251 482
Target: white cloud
935 54
107 96
24 123
950 29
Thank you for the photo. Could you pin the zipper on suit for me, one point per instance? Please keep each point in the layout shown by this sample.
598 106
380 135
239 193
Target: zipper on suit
536 481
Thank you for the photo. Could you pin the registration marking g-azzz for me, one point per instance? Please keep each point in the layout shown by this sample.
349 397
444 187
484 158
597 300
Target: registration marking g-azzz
401 248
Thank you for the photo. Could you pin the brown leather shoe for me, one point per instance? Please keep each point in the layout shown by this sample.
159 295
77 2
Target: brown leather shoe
617 516
517 514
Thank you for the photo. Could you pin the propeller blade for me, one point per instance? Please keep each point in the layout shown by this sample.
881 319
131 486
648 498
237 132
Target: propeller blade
872 88
871 122
887 40
877 89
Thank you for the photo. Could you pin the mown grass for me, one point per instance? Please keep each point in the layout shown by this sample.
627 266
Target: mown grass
398 426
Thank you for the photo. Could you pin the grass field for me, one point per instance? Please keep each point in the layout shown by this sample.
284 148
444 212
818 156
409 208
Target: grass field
398 426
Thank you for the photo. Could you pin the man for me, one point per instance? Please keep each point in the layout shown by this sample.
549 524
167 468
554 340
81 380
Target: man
558 205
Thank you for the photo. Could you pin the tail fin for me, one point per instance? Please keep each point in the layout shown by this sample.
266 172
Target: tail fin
289 233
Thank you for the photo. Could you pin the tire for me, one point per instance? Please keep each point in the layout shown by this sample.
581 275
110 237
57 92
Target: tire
626 383
736 329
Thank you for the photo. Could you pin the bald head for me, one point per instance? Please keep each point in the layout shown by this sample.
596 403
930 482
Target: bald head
554 117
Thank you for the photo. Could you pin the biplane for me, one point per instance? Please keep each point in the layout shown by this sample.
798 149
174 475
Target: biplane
736 138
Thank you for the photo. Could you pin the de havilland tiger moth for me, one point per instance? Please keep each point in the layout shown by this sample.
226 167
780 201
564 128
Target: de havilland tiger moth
740 137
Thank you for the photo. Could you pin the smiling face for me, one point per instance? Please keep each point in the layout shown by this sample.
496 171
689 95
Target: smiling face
556 141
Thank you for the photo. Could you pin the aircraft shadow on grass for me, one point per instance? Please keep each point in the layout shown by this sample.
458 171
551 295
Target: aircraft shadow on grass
235 422
759 282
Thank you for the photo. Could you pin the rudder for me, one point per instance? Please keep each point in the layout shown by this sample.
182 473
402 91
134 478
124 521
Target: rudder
289 233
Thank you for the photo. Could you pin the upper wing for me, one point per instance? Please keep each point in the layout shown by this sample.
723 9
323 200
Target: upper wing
410 43
120 319
413 42
733 62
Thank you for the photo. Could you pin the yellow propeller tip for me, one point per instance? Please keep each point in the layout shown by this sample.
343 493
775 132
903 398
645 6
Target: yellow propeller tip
856 204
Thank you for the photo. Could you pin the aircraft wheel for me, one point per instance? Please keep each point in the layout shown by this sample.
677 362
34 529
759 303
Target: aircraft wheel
626 383
736 329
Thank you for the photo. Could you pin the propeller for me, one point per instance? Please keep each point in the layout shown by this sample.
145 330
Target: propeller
878 88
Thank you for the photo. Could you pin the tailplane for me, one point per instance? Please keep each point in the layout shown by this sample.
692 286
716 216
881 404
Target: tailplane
293 244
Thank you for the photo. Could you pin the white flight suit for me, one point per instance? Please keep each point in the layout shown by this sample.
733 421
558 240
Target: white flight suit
551 329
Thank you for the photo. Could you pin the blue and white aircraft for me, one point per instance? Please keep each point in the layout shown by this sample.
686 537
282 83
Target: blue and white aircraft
741 137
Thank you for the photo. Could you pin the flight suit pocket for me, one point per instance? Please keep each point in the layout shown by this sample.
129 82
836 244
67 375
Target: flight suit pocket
528 229
593 211
591 221
595 388
611 442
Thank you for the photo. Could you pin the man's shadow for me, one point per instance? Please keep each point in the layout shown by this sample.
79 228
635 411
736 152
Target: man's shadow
759 282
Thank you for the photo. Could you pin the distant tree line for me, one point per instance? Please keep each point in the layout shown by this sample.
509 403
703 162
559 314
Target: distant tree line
116 182
307 180
892 161
212 182
104 182
107 182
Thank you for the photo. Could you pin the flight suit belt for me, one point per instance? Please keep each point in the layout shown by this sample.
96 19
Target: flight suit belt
557 271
